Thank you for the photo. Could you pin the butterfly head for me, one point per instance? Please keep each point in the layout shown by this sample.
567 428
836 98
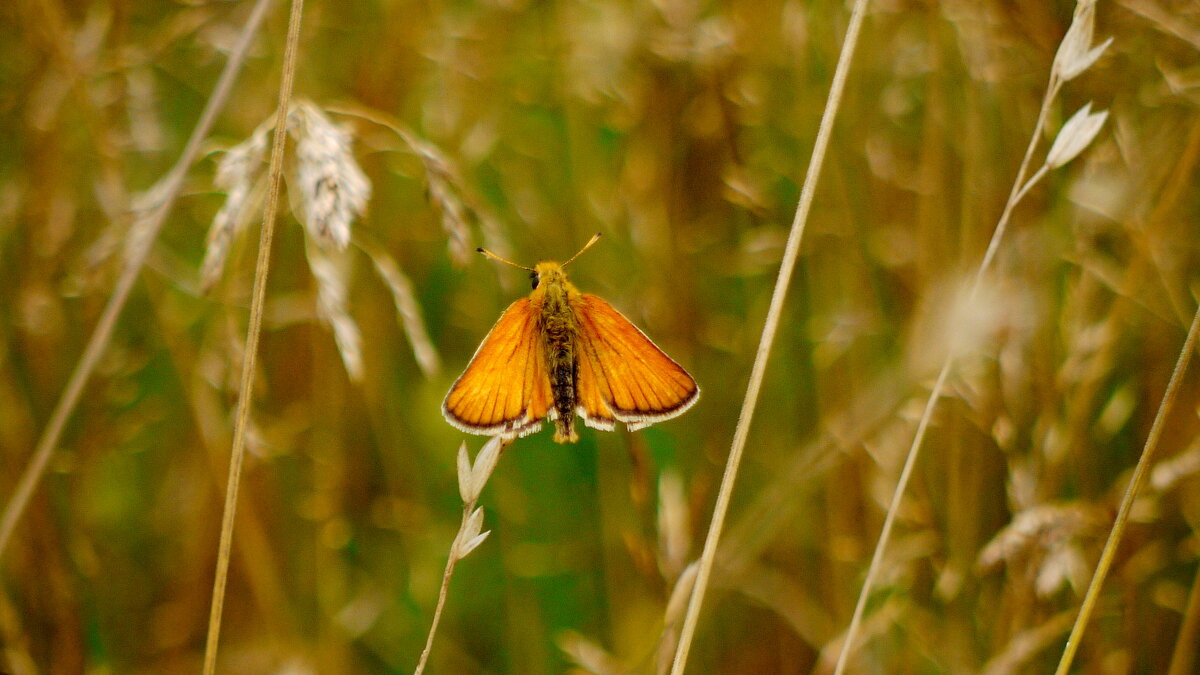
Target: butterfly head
547 274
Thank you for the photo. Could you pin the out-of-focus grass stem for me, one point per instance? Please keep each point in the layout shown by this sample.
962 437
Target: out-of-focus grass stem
1183 657
163 196
1019 189
767 340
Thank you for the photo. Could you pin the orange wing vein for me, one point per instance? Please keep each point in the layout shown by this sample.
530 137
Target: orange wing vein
622 374
505 390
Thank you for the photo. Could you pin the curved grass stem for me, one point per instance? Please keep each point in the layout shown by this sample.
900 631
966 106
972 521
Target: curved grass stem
1020 188
782 281
147 228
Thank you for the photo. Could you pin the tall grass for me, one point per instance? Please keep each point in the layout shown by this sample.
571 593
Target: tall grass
683 132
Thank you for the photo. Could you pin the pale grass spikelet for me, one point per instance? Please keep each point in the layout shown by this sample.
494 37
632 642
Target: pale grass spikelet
588 655
145 126
1027 645
673 615
471 479
1048 538
1169 472
679 595
332 189
1076 54
454 219
238 172
1076 134
407 308
967 320
1063 567
331 268
470 537
463 464
674 528
485 463
441 178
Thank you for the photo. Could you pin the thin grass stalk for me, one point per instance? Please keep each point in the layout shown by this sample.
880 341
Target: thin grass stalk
246 389
471 481
164 194
451 562
1140 473
1183 657
767 340
1019 189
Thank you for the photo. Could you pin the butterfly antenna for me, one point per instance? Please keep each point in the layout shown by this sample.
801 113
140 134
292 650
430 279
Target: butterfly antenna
493 256
593 240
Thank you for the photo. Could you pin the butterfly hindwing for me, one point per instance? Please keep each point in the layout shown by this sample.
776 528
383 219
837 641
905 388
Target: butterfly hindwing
505 390
622 374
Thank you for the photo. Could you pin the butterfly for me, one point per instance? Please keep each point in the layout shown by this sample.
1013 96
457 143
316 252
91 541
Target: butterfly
560 353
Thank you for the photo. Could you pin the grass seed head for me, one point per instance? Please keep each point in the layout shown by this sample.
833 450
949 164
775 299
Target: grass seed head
332 189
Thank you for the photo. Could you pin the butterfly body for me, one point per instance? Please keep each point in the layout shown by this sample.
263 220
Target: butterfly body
560 353
558 329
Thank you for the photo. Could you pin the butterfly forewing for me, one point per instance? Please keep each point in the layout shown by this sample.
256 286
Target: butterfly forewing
622 374
505 390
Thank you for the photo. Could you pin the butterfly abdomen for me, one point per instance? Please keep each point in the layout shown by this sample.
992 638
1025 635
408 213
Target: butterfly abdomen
558 334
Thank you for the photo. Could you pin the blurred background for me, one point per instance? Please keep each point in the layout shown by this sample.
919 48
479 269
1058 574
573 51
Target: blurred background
681 130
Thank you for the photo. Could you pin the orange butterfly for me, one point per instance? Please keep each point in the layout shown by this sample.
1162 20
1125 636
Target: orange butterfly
559 353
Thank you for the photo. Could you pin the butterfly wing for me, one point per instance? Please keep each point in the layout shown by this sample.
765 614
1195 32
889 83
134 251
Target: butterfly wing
622 374
505 390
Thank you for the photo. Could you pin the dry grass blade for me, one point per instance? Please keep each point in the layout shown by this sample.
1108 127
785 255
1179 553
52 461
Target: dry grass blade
165 193
786 267
1140 473
275 172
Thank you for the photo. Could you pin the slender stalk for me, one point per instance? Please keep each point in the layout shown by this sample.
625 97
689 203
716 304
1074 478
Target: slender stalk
471 481
451 561
1184 655
164 192
1019 189
782 281
246 390
1140 473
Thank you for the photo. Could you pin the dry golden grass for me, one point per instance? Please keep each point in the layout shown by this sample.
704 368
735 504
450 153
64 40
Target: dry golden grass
682 131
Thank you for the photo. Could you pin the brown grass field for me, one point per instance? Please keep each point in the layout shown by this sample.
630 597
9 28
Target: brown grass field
682 131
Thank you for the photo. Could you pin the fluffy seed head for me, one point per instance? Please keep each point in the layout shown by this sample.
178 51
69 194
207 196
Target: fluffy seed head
332 189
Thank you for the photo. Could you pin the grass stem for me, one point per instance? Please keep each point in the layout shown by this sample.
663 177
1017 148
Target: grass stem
1019 189
1140 473
782 281
451 561
246 390
164 192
